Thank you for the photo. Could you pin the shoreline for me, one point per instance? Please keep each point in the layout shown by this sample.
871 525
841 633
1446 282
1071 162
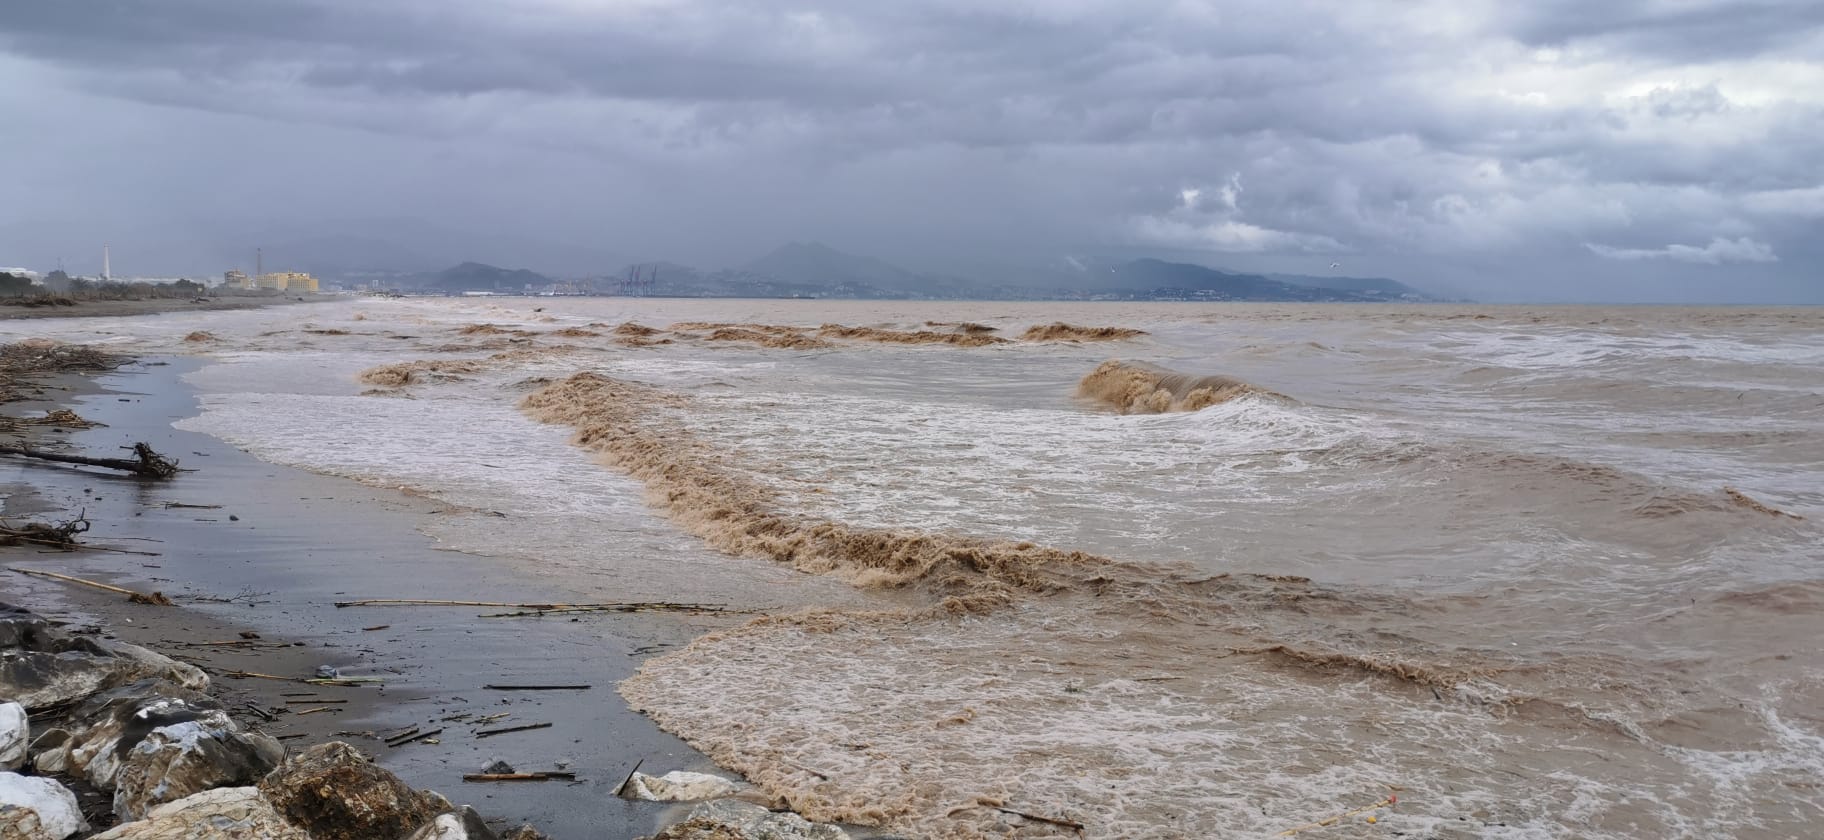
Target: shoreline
155 306
297 542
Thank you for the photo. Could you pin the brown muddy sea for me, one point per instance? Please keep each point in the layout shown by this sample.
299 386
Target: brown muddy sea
1536 572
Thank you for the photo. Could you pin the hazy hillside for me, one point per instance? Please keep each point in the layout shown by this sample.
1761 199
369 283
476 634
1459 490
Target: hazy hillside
479 277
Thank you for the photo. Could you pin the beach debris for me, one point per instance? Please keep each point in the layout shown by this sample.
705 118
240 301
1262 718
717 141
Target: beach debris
332 792
492 687
189 506
678 786
146 463
728 819
224 812
498 766
314 710
413 737
637 606
43 667
15 734
155 598
200 336
996 805
328 672
37 808
375 627
623 785
1390 801
62 417
540 776
489 733
61 535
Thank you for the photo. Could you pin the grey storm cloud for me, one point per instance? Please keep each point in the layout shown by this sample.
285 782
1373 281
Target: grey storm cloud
1508 150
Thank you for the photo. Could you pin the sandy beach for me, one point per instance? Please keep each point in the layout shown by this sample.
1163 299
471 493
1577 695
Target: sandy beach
246 546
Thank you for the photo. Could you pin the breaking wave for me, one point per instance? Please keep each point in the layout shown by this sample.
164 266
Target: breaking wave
401 374
880 336
1140 388
1060 331
783 341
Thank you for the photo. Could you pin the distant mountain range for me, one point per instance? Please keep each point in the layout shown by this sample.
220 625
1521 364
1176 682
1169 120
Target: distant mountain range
813 270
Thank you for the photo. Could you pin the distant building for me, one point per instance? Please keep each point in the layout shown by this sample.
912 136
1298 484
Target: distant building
287 281
236 279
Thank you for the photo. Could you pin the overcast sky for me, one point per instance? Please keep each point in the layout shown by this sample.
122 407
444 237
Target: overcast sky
1547 149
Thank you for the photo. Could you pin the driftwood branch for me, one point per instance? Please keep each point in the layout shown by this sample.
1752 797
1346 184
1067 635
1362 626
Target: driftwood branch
145 463
488 733
518 777
533 610
156 598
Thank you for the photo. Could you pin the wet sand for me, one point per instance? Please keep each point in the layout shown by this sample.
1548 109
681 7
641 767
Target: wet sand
153 306
284 546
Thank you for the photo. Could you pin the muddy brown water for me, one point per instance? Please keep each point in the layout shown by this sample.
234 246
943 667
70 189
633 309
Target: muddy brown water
1538 571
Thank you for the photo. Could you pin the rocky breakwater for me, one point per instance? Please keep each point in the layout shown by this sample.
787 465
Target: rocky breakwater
96 732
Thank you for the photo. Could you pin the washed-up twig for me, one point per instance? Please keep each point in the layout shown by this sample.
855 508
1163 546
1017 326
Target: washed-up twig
259 711
256 675
1070 824
492 718
375 627
146 464
62 535
302 712
642 606
1388 802
517 777
818 773
489 733
188 506
420 602
156 598
537 687
294 735
623 785
400 742
344 682
312 702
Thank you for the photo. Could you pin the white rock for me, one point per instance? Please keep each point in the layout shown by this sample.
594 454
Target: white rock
239 813
37 808
15 735
457 825
679 786
757 823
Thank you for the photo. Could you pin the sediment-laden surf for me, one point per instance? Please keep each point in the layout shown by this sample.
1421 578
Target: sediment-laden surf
1061 331
1053 616
1256 627
1141 388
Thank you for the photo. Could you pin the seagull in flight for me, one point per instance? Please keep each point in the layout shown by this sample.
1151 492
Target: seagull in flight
1336 265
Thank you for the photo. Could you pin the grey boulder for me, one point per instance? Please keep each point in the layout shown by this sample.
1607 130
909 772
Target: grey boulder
42 666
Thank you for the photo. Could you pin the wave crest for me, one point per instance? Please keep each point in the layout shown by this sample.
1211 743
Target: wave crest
1140 388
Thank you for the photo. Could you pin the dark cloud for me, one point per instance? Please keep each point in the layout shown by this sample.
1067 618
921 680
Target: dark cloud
1431 140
